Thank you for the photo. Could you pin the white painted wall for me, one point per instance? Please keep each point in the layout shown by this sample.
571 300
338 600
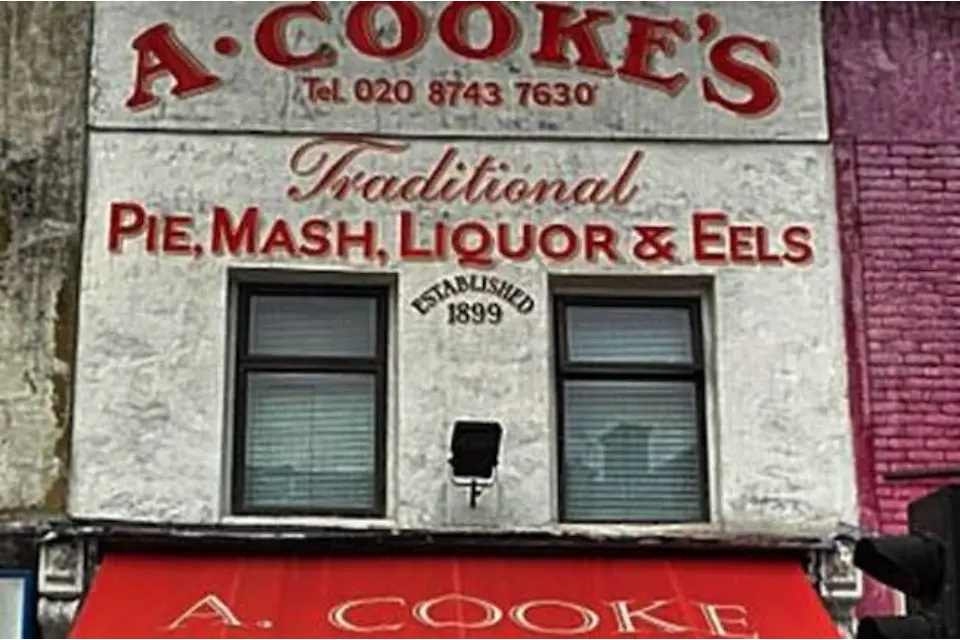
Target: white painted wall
150 419
255 96
151 415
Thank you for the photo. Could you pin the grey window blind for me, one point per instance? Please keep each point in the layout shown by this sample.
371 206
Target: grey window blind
325 326
631 441
641 335
310 435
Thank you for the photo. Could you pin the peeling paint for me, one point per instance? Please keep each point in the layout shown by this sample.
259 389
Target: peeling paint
5 234
42 156
34 378
65 332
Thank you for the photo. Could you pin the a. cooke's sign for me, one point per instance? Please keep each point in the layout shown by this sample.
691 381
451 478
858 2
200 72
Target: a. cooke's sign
621 69
393 614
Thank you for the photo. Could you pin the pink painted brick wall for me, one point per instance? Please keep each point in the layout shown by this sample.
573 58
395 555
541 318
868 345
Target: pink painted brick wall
902 246
908 206
893 70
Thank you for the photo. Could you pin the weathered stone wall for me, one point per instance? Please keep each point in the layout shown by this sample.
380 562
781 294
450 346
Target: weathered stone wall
44 52
893 70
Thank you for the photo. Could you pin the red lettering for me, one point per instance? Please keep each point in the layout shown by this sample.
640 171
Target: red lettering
741 244
557 29
588 190
126 221
315 241
568 244
331 172
411 187
764 93
234 238
472 243
569 37
653 243
527 234
380 187
409 234
312 238
366 238
649 36
600 238
705 238
764 254
176 235
279 239
715 242
153 240
454 20
798 241
367 39
327 178
160 53
624 191
271 41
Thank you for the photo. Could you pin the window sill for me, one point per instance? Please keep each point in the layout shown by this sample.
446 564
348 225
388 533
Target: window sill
310 521
641 529
695 529
699 531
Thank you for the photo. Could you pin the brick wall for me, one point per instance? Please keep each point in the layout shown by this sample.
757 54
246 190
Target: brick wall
908 206
892 70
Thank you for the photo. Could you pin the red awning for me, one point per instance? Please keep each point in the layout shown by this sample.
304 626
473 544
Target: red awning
160 596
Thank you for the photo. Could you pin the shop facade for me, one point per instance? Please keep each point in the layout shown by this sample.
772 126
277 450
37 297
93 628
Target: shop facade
439 277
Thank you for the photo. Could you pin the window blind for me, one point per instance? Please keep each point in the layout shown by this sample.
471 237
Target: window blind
323 326
629 334
310 436
631 451
631 444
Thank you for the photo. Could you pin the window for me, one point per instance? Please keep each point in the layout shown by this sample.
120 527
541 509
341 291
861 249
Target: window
310 401
18 603
631 411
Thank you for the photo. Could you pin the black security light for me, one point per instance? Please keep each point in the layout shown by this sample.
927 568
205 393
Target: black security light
474 455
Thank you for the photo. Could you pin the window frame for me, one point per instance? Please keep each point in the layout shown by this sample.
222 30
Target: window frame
565 369
246 363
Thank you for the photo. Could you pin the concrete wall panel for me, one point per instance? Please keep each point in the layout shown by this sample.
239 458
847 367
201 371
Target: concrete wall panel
151 407
234 86
44 51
